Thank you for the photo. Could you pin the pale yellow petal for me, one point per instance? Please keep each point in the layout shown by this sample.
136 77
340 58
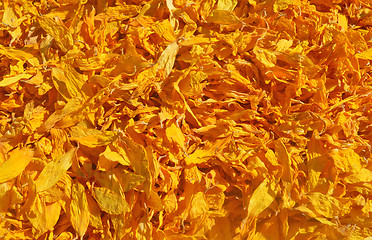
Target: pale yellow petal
54 171
15 164
79 209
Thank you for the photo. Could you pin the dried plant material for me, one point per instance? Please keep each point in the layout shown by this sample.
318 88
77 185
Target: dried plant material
167 58
215 119
54 170
226 5
94 213
11 80
79 209
43 217
110 201
198 206
71 106
326 206
223 17
15 164
38 212
317 161
58 31
261 198
113 156
367 55
91 137
68 82
347 160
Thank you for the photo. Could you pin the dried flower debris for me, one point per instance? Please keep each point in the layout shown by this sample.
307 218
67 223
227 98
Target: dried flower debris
179 119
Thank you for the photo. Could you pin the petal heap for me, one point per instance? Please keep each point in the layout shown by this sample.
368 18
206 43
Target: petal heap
179 119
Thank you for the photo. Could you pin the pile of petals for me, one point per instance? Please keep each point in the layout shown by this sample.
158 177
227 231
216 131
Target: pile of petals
181 119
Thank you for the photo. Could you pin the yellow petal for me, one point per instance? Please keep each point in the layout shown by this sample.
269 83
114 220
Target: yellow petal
110 201
110 155
197 157
15 164
93 63
285 161
175 134
59 32
71 106
68 82
130 63
79 209
92 137
165 30
342 21
95 213
266 57
261 198
139 160
227 5
215 198
54 171
198 206
154 201
170 203
364 175
317 161
325 205
346 160
367 55
167 57
280 5
223 17
10 80
16 54
43 217
130 180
